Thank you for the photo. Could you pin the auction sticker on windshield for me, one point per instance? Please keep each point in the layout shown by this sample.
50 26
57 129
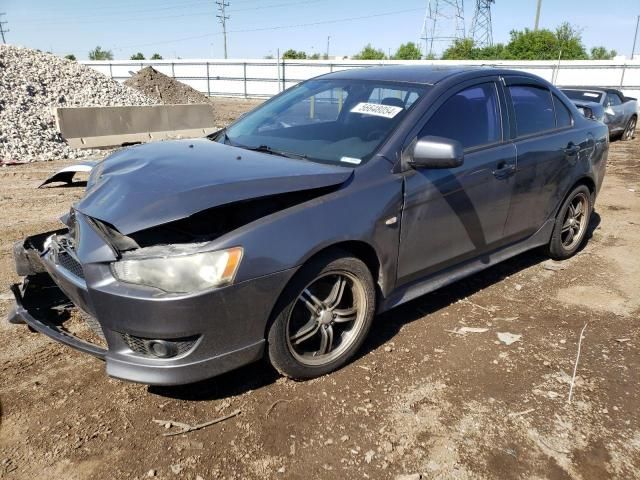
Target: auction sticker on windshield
386 111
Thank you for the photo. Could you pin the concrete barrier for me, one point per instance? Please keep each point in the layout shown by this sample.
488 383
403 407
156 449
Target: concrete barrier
91 127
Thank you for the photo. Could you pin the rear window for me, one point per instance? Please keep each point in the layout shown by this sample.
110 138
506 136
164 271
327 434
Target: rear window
534 109
585 95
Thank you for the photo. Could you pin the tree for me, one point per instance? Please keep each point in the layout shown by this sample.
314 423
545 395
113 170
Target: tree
461 49
493 52
370 53
99 54
408 51
137 56
465 49
71 56
294 54
544 44
156 56
570 42
315 56
532 45
601 53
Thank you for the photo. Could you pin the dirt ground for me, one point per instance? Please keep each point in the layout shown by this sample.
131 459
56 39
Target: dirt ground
421 398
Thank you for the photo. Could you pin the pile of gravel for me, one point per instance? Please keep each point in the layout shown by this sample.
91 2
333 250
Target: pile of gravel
168 90
31 83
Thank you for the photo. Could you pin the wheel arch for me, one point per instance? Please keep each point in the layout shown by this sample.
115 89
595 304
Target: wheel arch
585 180
359 249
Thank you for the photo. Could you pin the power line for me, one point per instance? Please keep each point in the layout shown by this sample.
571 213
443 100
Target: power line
138 19
2 30
116 13
279 27
277 5
223 17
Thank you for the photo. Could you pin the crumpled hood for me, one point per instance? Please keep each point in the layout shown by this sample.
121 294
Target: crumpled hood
148 185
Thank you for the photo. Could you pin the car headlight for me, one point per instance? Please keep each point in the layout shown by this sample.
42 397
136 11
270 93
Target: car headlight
181 273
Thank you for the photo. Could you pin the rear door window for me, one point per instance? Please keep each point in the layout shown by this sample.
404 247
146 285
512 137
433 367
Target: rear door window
472 117
563 115
533 108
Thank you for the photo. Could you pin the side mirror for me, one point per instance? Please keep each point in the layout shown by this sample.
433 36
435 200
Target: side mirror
609 110
436 152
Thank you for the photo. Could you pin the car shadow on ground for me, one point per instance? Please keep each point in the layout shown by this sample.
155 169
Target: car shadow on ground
384 328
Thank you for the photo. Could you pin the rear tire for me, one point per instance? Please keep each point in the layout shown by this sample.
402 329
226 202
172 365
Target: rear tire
571 224
322 317
630 129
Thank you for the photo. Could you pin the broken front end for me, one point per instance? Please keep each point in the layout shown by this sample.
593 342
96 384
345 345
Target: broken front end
163 314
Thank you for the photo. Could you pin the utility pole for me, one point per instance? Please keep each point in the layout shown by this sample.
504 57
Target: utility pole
535 26
2 30
635 37
223 17
328 40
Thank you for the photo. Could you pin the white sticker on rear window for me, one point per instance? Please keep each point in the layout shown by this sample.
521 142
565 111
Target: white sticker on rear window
592 95
355 161
386 111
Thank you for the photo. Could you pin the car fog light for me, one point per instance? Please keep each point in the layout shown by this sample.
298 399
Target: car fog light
161 348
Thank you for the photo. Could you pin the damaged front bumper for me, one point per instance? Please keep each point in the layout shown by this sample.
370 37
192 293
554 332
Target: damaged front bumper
142 334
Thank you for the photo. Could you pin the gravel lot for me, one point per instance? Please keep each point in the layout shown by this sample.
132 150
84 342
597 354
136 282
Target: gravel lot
422 398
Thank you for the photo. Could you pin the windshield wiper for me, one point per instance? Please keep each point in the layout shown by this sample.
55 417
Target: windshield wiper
222 135
273 151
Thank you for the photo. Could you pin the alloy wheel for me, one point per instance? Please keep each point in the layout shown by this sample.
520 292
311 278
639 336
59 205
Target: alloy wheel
575 221
630 130
326 318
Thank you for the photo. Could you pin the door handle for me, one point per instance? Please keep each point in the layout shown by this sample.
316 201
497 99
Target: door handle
572 149
504 170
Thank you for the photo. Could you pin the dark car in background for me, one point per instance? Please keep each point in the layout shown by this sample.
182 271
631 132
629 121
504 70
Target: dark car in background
285 233
609 106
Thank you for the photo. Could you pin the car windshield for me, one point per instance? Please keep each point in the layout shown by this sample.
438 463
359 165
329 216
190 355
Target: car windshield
586 95
330 121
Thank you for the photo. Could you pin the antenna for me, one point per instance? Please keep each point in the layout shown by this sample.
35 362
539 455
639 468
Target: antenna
481 29
443 23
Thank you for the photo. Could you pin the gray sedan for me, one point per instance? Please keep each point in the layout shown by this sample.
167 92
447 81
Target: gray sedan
285 233
618 112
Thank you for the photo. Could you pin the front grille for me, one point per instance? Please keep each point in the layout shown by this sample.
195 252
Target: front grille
68 262
141 346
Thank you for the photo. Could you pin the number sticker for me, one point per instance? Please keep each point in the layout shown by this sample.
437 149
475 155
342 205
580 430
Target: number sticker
386 111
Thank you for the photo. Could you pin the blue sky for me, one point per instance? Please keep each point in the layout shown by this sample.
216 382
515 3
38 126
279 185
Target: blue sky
189 28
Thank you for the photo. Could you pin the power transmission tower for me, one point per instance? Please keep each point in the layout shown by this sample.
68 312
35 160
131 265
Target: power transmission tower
223 17
443 22
481 29
2 30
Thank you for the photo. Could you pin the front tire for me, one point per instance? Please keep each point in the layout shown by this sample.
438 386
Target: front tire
571 224
323 317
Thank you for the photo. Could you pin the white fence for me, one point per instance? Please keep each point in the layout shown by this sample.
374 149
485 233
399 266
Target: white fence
264 78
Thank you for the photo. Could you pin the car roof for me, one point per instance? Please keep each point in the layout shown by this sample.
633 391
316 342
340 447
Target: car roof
419 74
